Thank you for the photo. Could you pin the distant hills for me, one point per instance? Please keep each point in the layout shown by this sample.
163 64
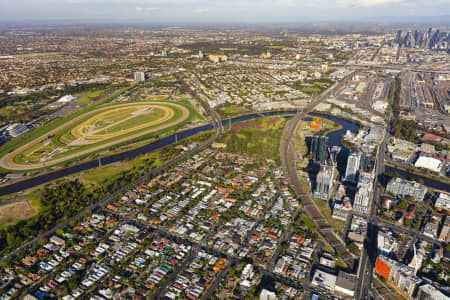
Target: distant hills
435 20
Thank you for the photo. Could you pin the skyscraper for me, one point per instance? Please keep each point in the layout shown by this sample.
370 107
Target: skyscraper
324 182
365 162
416 38
407 40
398 38
353 163
434 39
319 149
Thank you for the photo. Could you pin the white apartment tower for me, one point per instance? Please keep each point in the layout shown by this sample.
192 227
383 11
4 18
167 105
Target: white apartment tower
353 163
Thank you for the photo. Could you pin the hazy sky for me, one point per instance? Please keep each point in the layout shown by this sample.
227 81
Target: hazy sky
154 11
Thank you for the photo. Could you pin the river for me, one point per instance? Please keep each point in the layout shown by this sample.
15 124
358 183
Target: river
334 139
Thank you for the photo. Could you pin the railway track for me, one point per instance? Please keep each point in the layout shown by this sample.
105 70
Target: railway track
382 292
288 161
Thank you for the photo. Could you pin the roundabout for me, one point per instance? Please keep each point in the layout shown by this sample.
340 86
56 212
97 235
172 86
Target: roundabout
98 129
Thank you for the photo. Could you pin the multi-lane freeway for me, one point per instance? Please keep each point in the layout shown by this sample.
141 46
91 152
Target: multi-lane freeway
368 254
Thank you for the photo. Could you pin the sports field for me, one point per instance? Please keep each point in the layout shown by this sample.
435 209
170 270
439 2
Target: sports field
94 130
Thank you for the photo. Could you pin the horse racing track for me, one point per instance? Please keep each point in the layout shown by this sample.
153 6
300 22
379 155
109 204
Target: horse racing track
97 129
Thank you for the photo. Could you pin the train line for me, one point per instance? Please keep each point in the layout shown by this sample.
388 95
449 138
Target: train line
288 161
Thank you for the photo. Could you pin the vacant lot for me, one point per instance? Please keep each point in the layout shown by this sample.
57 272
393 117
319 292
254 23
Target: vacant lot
14 212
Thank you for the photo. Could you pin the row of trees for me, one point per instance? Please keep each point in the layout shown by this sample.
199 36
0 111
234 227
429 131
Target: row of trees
38 100
58 204
61 201
400 129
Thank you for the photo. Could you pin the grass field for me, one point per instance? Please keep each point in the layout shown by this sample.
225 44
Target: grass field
28 205
14 212
51 125
259 138
325 210
94 130
304 130
42 54
157 97
314 86
231 110
90 97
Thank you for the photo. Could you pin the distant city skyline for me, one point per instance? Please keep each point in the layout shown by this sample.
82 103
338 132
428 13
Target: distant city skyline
215 11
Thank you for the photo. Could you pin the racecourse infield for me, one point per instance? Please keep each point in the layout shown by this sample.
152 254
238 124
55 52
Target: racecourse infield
98 129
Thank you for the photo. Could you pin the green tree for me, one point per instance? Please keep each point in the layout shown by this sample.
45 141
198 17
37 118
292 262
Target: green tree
403 204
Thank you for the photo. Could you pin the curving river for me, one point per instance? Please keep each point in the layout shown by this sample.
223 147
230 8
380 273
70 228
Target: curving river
333 138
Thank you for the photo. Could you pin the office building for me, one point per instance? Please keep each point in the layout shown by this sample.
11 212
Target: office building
139 76
398 38
404 188
363 194
324 182
319 149
247 273
419 257
432 226
353 163
335 151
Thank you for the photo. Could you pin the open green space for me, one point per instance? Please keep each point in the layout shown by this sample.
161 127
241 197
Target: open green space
90 97
325 210
55 123
258 138
56 201
71 143
41 54
231 110
110 123
307 222
313 86
166 78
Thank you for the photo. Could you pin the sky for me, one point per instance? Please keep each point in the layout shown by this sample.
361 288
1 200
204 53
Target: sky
218 11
